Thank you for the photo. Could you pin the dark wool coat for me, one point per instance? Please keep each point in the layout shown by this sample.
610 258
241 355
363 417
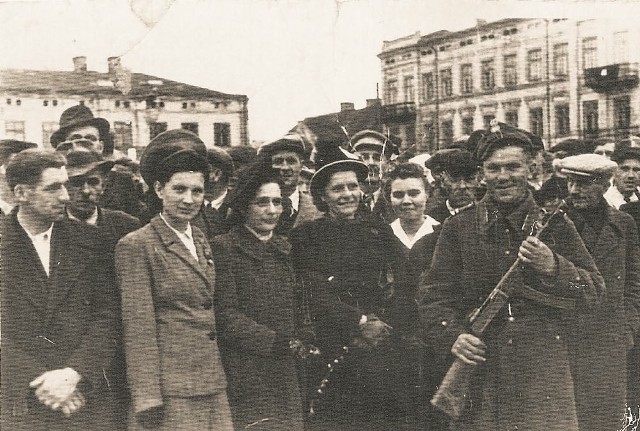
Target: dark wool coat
526 381
255 308
168 317
603 338
54 322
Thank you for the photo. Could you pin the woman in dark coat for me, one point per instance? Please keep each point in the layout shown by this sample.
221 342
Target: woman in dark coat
255 308
340 260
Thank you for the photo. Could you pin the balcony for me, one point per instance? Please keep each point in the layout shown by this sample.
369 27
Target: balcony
399 112
614 77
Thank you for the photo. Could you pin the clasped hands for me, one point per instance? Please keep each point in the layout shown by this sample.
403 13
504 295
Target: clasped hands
57 389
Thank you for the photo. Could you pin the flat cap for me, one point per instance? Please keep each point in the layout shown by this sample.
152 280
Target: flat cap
455 161
587 165
290 142
172 144
620 154
572 147
388 145
13 146
219 158
502 135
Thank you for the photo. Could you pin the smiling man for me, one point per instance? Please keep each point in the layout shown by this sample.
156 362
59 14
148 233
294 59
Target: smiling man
626 177
523 359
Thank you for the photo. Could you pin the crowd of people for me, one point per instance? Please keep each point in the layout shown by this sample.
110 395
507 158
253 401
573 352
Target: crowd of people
319 287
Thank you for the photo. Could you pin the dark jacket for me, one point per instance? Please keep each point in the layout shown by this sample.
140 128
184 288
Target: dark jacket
63 320
255 306
605 336
213 222
526 381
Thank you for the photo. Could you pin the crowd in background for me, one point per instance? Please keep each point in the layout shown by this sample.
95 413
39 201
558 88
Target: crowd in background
323 286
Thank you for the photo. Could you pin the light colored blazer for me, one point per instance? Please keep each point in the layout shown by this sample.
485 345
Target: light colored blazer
307 211
167 315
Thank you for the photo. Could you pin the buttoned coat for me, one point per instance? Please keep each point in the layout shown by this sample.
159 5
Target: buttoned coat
526 381
256 306
603 337
168 317
54 322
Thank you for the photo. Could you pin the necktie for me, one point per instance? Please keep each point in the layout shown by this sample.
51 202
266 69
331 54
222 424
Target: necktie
287 218
627 199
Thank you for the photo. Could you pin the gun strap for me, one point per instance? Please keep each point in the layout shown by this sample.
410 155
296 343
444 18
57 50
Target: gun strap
547 299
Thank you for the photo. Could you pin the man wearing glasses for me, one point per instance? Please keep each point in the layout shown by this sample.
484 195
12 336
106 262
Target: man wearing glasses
80 130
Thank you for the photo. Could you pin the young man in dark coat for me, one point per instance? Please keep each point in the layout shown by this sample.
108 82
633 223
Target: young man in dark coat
57 302
523 378
605 337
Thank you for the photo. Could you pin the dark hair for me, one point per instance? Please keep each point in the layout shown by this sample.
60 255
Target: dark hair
250 179
27 166
402 172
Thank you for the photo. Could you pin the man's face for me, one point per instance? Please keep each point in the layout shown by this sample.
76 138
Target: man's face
605 149
506 172
289 165
461 190
82 138
47 199
627 176
182 197
84 192
376 162
585 192
537 167
342 195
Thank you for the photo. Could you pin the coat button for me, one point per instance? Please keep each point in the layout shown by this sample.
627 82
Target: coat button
507 252
619 277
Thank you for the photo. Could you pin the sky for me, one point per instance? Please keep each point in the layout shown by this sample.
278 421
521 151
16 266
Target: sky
292 58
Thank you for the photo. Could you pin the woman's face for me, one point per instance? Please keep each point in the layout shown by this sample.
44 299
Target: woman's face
265 209
342 195
408 198
181 197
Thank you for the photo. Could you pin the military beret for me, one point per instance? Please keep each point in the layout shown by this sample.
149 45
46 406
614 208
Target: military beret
168 149
290 142
572 147
587 165
388 145
455 161
13 146
620 154
219 158
503 135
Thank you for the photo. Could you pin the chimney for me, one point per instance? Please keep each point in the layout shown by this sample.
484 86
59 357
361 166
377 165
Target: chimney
347 106
373 102
80 64
114 63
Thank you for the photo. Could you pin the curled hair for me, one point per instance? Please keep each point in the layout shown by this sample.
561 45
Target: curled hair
27 166
402 172
250 179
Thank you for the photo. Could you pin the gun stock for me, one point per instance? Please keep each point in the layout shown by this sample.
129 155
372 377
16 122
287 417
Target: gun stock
453 392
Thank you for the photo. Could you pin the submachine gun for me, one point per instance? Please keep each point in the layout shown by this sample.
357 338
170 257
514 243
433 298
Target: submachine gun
451 396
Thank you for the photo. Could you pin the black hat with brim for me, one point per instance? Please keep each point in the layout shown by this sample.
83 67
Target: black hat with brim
331 159
78 116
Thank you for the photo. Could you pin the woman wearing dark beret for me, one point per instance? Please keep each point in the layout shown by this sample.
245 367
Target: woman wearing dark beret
166 278
256 307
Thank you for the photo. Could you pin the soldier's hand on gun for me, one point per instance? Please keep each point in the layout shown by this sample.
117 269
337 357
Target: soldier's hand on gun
537 256
470 349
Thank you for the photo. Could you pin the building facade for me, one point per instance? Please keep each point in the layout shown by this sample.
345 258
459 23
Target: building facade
558 78
31 102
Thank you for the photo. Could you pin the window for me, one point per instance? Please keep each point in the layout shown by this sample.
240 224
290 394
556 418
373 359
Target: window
408 89
589 52
511 118
622 114
127 104
590 118
122 135
156 128
48 127
534 65
561 59
488 75
467 125
117 103
562 120
536 121
447 132
430 135
192 127
510 71
445 79
486 120
45 103
620 43
392 91
222 134
14 130
184 105
466 79
428 85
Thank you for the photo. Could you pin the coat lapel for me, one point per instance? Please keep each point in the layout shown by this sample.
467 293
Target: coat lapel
66 262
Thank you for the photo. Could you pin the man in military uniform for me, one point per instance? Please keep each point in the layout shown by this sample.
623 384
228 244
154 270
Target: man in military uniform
523 378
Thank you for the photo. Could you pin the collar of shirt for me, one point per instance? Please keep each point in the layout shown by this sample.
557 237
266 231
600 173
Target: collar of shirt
6 207
186 237
615 198
453 211
92 220
263 238
426 228
42 243
295 200
217 202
